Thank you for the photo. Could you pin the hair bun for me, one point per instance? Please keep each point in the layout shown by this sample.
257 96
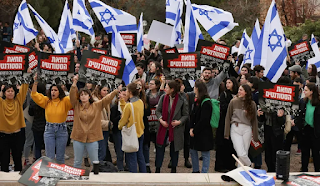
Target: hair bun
138 86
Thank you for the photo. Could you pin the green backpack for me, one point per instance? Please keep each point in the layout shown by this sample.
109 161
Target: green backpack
215 116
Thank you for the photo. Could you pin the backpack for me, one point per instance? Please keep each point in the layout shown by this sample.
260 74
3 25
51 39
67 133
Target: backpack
215 115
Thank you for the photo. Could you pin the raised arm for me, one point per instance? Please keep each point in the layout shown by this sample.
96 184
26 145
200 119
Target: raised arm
21 96
74 98
39 99
105 102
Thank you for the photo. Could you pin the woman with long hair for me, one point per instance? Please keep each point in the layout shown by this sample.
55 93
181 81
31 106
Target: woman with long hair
87 130
134 158
224 147
147 113
313 72
200 129
57 106
116 112
241 123
155 72
308 121
99 93
172 112
12 120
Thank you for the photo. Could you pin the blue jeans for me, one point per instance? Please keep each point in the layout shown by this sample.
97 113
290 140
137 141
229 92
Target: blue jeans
146 154
29 140
195 161
160 154
135 158
78 148
103 146
55 140
117 138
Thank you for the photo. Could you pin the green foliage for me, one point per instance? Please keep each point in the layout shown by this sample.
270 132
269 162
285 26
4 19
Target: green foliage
294 33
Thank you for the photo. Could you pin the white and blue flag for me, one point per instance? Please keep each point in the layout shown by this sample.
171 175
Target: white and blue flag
255 39
23 30
192 32
109 15
82 20
246 48
49 32
217 22
176 37
140 34
66 32
174 8
271 50
119 49
316 59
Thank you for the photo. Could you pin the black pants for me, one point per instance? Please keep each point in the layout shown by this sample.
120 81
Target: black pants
272 144
11 142
186 148
310 142
289 138
160 154
39 142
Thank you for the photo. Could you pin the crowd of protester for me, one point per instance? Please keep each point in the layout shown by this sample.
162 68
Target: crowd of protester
183 115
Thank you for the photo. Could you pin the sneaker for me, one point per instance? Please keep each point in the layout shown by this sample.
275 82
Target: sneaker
298 152
26 162
66 157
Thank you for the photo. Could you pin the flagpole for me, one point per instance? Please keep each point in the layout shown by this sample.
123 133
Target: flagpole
253 178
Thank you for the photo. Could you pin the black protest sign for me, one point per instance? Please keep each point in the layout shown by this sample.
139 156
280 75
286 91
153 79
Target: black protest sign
99 50
301 52
12 67
212 54
54 68
50 168
7 48
130 39
170 50
31 176
279 96
303 180
182 65
102 69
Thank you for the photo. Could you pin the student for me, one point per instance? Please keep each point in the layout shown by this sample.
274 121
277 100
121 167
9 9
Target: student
134 158
12 120
200 130
172 112
308 122
56 106
242 123
87 130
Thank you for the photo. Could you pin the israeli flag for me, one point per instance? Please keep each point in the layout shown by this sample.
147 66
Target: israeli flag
256 32
217 22
82 20
173 8
246 48
271 48
49 32
316 59
176 37
66 32
23 30
109 15
192 32
119 49
140 34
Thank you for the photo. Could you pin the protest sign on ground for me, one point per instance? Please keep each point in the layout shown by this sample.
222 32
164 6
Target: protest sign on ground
303 180
102 69
182 65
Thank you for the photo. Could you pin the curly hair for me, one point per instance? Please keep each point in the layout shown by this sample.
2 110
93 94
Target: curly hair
248 102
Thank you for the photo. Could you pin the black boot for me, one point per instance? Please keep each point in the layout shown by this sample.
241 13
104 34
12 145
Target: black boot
187 163
158 170
174 170
170 164
86 162
148 169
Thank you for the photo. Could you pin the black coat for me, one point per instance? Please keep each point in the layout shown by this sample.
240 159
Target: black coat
147 112
299 121
202 130
39 118
115 116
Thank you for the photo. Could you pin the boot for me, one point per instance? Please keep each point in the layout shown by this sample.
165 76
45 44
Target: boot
86 162
148 169
187 163
174 170
170 164
158 170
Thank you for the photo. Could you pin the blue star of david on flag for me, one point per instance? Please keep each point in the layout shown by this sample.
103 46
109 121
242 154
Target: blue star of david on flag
168 3
247 54
16 25
273 46
204 12
106 20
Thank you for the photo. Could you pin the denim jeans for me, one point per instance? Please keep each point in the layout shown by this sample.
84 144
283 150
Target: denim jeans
38 141
103 146
117 138
160 153
195 160
78 148
135 158
29 140
55 140
146 153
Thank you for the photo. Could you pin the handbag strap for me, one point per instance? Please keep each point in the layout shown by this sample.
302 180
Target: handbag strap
132 111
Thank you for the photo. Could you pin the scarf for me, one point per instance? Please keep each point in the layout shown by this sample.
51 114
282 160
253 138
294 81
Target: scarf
162 130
